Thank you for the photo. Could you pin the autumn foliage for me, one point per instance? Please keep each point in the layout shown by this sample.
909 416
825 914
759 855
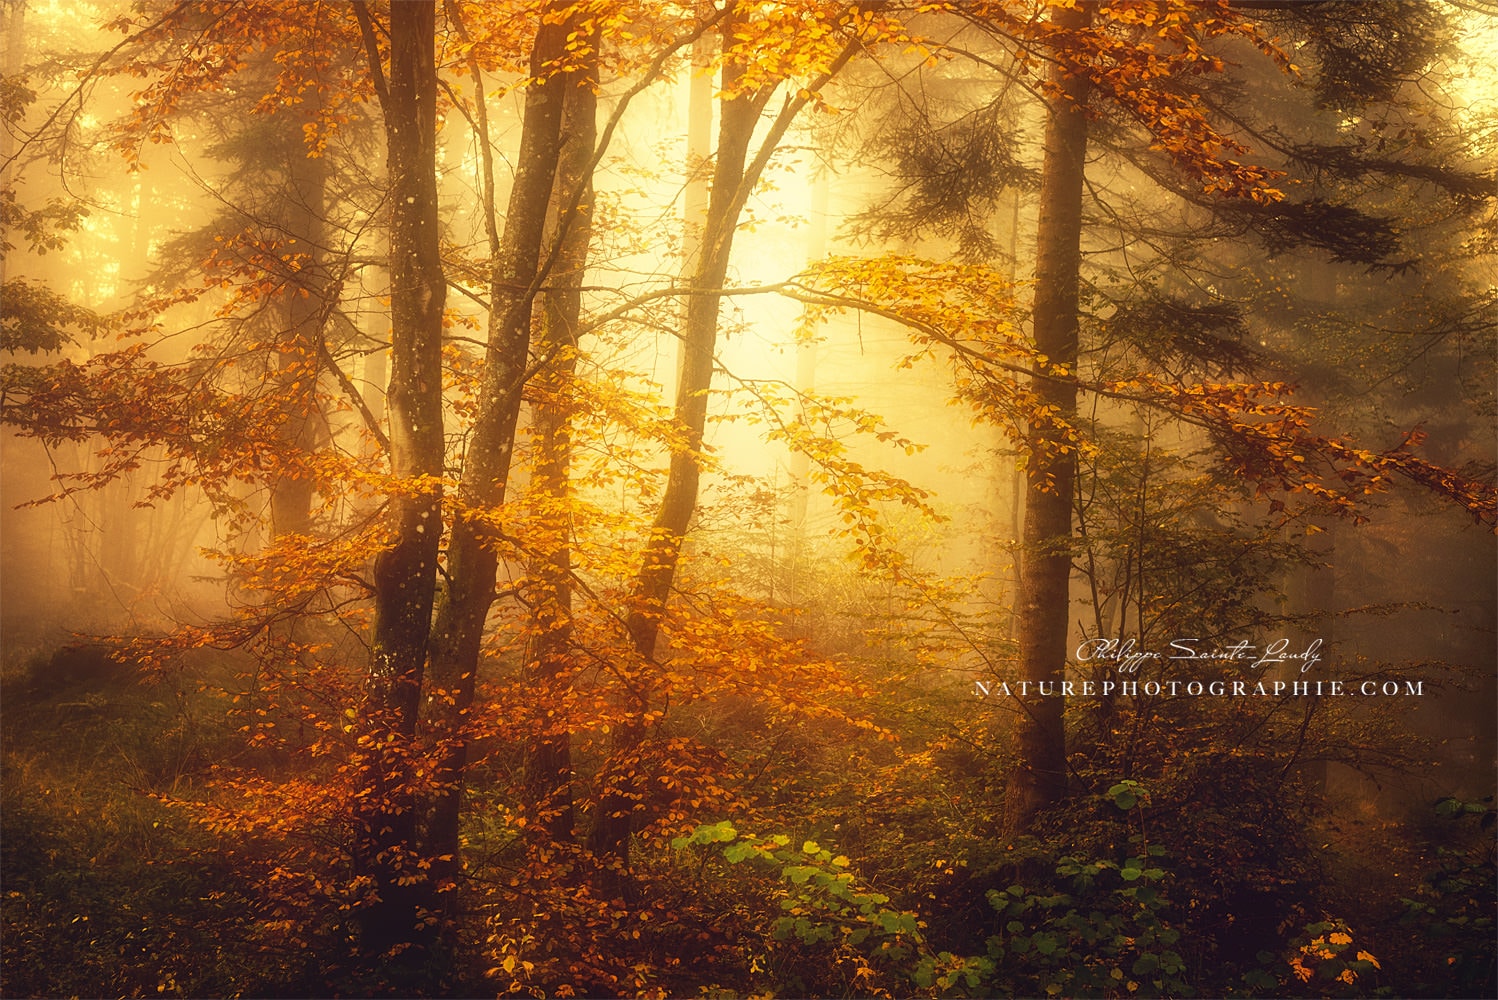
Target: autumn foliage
507 693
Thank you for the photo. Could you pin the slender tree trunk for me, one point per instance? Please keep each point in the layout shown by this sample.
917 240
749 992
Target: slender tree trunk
1040 777
737 118
405 573
13 26
1313 589
472 559
1315 593
291 494
699 341
548 768
733 180
806 381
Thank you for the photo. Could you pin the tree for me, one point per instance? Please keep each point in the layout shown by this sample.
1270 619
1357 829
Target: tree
426 721
405 572
1045 574
548 768
1115 54
515 277
746 93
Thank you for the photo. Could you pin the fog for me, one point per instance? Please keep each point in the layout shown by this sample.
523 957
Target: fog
1281 429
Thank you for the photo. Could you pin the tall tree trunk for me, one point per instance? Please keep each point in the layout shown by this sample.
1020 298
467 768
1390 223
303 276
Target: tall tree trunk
472 559
305 306
13 27
806 379
737 118
548 767
699 341
1040 777
405 573
733 180
1312 589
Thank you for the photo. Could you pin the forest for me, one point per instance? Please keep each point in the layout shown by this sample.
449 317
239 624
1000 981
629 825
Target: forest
748 498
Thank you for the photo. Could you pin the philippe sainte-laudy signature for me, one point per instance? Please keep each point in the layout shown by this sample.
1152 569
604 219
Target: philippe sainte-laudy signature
1129 656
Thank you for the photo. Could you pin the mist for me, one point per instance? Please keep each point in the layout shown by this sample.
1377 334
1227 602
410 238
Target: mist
717 499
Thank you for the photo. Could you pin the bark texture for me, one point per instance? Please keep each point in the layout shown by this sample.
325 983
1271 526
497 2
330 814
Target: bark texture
305 309
1045 580
472 559
548 765
734 177
405 573
652 585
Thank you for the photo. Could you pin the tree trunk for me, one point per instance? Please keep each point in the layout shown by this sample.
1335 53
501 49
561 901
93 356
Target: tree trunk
291 494
548 767
1040 739
13 27
652 584
405 573
732 182
472 559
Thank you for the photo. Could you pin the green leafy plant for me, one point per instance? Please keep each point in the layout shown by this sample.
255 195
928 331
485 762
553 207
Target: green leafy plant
823 900
1102 928
1454 911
